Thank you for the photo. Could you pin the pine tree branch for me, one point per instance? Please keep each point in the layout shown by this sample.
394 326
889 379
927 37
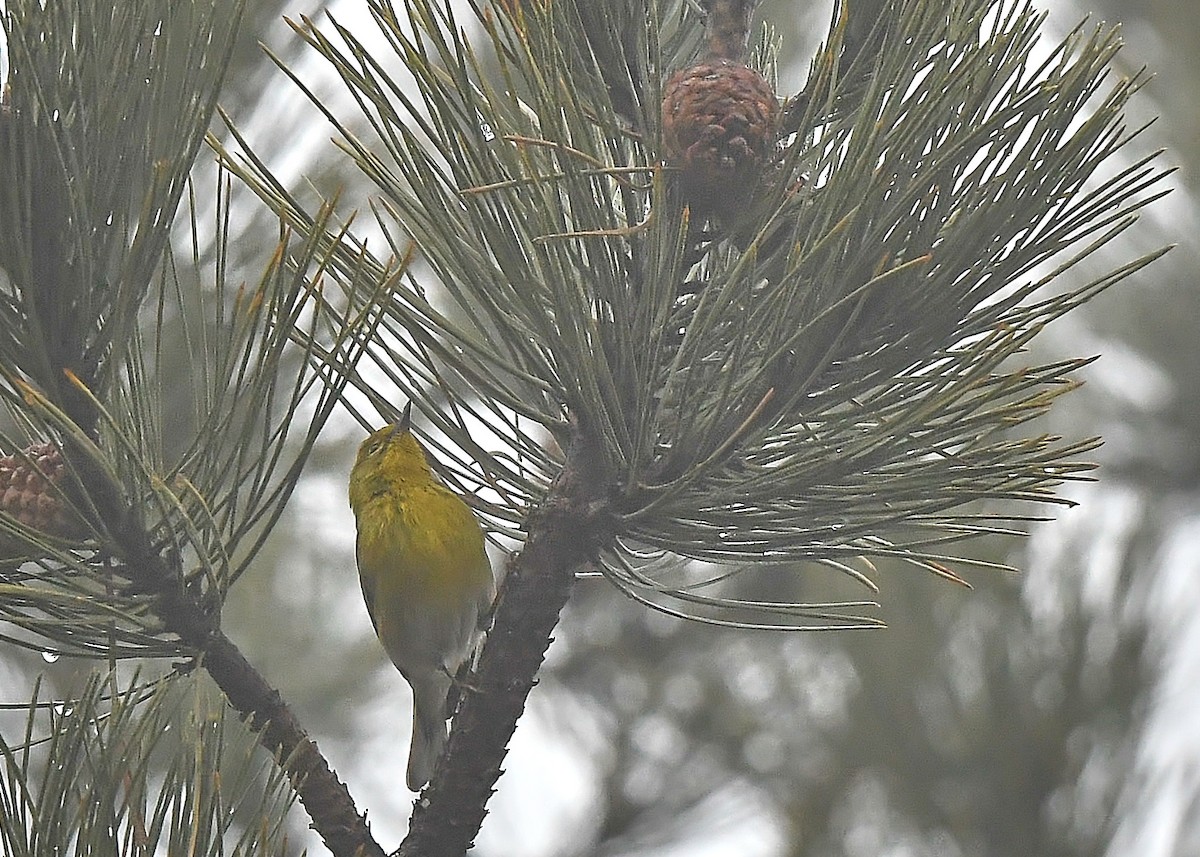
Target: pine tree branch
323 795
567 531
98 144
180 612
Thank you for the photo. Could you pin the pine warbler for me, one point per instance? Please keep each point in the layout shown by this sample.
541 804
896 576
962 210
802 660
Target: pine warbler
425 577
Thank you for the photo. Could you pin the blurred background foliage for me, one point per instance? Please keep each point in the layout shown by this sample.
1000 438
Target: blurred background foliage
1053 713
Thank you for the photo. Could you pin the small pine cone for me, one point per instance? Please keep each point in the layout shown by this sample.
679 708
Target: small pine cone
719 129
30 491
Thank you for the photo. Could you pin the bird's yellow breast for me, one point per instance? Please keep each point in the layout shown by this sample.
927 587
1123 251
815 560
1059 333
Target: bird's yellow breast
421 542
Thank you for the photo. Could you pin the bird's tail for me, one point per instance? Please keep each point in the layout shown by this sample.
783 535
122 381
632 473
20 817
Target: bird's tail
429 730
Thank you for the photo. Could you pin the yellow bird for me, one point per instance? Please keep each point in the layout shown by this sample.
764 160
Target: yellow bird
425 577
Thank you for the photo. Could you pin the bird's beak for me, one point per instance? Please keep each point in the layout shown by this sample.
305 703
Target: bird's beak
401 425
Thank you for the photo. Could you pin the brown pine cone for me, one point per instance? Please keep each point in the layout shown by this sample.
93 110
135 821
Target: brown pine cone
719 128
30 491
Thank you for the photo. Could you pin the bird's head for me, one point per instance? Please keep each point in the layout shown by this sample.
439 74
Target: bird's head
393 447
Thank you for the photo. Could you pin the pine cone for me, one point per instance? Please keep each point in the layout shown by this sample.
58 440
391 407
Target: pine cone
719 128
30 491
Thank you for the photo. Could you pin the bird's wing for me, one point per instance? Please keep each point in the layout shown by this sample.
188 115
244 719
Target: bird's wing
368 589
